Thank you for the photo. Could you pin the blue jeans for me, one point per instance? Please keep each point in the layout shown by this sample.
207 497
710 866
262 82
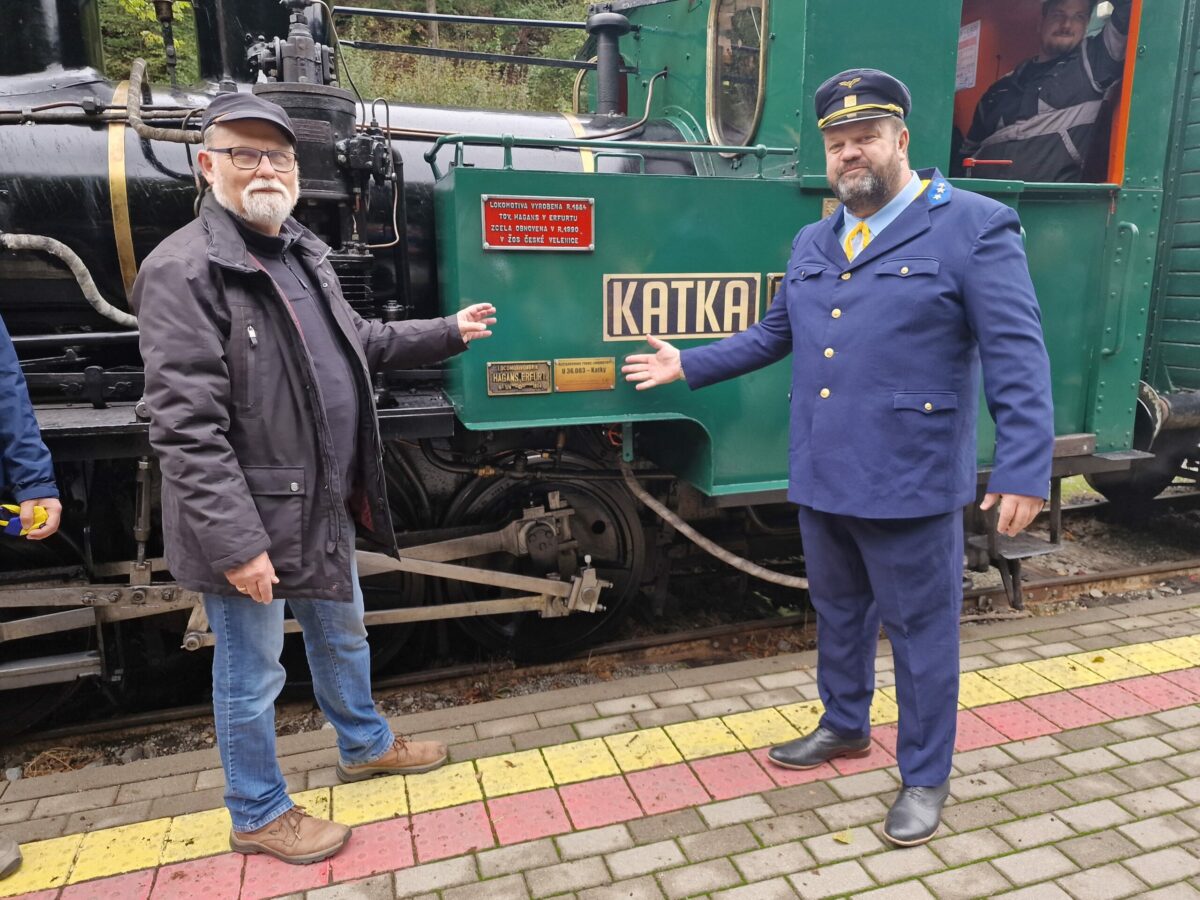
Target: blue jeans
247 677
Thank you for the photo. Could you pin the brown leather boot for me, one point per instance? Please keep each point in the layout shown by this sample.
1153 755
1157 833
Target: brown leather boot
405 758
295 837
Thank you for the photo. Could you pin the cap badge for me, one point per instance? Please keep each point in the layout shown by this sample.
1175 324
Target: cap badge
849 85
849 101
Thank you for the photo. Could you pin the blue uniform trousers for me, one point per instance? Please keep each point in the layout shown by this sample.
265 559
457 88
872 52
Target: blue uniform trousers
906 573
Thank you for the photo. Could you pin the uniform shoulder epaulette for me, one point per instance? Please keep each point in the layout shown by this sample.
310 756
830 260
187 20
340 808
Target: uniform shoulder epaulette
939 192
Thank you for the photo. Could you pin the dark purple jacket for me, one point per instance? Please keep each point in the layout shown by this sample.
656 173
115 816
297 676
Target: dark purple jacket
241 437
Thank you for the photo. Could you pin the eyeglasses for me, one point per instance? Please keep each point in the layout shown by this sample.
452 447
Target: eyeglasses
250 158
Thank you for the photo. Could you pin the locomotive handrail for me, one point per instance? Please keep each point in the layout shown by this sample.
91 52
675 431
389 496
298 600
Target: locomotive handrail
508 141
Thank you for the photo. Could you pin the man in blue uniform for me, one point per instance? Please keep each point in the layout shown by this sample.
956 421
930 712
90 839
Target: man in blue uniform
888 307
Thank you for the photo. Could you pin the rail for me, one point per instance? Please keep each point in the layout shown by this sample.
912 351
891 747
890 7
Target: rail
508 142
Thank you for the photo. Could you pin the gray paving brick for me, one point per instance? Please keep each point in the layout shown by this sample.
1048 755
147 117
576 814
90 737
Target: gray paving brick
1044 829
1150 834
1047 891
899 865
107 817
1036 748
976 814
1142 749
435 876
976 880
1180 891
831 881
1008 657
1105 883
1099 643
1164 866
568 715
1142 726
985 759
777 697
543 737
1015 641
735 688
1098 849
670 715
568 876
1188 763
603 727
791 827
974 663
801 797
848 844
510 887
699 878
517 858
507 726
1147 774
665 826
680 696
774 889
1061 648
377 888
1095 760
908 890
37 829
1039 771
645 859
743 809
623 705
1152 802
1035 800
644 888
718 842
1096 629
1185 739
1087 738
16 812
492 746
979 784
770 862
1030 866
853 812
785 679
594 842
209 778
864 784
197 801
722 706
1095 816
969 847
76 801
156 787
321 778
1092 787
1178 719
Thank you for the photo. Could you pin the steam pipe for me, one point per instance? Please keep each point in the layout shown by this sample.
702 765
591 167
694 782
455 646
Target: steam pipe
56 248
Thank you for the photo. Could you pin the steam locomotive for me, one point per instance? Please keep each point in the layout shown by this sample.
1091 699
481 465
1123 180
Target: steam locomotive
664 204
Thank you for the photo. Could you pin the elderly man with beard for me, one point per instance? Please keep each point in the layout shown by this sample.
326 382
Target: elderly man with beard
258 382
888 307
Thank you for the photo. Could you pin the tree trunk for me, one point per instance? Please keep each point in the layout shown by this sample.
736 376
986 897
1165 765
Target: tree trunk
431 6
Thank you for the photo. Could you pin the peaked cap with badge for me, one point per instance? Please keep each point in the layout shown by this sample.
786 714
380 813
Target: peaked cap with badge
858 94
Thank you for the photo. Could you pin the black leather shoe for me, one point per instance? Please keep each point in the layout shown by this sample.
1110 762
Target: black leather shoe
818 747
915 814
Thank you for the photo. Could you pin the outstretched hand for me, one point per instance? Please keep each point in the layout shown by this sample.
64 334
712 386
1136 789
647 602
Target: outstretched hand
1017 511
649 370
473 321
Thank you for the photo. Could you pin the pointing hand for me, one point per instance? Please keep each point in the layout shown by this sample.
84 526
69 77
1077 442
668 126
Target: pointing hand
650 370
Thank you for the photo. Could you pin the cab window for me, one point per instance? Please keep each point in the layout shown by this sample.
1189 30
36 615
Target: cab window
736 69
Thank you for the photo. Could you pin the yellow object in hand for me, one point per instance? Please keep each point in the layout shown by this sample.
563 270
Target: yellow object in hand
12 525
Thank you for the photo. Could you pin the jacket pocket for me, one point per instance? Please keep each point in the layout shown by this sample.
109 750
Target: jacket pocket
922 442
805 270
907 268
246 378
928 402
279 493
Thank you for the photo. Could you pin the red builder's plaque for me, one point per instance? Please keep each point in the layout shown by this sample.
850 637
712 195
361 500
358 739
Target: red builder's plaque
539 223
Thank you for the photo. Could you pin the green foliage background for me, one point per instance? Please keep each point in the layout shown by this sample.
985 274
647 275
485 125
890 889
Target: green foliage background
130 30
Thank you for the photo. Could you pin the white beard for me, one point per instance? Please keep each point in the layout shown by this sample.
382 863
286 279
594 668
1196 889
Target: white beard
264 203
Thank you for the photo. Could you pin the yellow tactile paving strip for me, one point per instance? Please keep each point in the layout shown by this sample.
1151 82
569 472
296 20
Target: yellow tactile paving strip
82 857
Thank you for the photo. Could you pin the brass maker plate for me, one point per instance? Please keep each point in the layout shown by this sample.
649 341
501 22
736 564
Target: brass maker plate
586 374
515 379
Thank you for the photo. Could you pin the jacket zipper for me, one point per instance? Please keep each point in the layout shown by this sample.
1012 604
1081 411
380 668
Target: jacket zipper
252 334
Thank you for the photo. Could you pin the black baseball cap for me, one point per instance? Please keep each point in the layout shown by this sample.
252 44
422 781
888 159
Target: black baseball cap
858 94
231 106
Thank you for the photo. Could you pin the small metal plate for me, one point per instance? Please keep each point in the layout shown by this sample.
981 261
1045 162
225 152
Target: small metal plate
513 379
587 374
539 223
774 283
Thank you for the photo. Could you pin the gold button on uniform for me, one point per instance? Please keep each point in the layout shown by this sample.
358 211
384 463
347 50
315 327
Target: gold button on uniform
928 407
904 270
845 276
829 353
837 313
824 393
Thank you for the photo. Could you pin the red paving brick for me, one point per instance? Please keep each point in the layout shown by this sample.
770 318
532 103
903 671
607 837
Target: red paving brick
265 876
1015 720
878 758
204 879
734 775
886 736
1114 700
667 788
526 817
133 886
1158 692
374 848
789 777
604 801
972 733
451 832
41 895
1188 679
1066 710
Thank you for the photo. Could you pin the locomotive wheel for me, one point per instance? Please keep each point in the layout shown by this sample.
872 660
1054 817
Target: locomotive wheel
606 527
1133 490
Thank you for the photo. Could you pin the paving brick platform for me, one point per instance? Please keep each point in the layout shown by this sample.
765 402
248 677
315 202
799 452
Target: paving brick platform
1076 775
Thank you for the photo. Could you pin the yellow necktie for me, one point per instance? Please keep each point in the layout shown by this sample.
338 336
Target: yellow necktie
862 232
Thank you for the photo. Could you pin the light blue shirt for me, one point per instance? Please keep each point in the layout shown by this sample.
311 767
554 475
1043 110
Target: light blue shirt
884 217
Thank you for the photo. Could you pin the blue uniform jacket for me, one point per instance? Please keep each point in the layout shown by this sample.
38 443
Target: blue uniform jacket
885 360
26 472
